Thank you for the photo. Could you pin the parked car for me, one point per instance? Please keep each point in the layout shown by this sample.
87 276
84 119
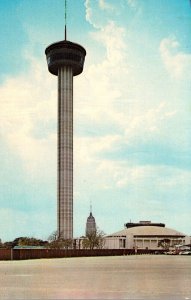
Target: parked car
170 253
185 253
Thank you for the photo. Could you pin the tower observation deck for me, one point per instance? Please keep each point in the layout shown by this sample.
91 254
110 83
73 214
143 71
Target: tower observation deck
65 59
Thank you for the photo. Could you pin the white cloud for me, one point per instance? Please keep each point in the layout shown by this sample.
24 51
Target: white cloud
105 93
177 63
149 125
104 103
88 11
99 13
105 5
113 39
87 148
28 109
103 84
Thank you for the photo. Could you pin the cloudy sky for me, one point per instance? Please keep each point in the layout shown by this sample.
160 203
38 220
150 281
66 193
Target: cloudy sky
132 114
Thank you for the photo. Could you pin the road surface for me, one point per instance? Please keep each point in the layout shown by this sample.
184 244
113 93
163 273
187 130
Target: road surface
117 277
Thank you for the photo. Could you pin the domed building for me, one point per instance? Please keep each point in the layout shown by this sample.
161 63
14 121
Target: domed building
145 235
90 224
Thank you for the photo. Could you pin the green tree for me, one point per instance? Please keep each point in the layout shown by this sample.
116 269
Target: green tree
59 243
31 241
94 240
53 241
1 244
25 241
8 245
165 244
53 236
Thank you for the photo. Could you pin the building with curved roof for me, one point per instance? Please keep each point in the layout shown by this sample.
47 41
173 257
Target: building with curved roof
145 235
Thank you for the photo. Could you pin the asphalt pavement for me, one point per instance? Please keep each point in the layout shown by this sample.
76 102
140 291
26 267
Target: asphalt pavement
117 277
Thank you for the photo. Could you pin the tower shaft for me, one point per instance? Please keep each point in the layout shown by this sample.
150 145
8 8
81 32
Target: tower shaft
65 60
65 152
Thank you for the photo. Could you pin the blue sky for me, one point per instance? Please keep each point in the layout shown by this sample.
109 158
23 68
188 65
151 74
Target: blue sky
132 114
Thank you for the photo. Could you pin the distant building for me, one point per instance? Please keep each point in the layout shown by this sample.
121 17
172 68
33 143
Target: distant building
29 247
145 235
90 224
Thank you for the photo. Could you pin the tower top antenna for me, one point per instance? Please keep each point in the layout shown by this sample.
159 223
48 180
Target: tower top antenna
65 18
90 206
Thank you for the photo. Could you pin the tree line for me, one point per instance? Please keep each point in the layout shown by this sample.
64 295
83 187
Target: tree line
93 240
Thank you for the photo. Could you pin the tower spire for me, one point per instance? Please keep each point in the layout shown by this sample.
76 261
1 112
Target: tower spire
65 18
90 207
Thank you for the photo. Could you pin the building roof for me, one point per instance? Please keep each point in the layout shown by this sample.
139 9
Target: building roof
148 231
144 223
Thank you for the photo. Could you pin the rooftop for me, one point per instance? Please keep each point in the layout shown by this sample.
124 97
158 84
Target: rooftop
148 231
143 223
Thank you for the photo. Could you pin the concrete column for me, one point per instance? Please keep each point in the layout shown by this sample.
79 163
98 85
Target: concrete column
65 152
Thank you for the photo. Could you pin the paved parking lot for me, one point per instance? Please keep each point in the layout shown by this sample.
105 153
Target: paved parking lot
119 277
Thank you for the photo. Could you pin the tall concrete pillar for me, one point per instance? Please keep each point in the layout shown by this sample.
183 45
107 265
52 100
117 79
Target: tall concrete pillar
65 151
65 59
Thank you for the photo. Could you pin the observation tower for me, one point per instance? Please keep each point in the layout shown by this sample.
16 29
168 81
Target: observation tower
65 59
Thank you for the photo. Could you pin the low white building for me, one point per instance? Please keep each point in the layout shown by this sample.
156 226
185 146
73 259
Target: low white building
145 235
